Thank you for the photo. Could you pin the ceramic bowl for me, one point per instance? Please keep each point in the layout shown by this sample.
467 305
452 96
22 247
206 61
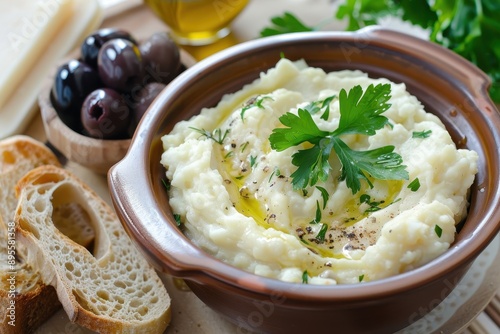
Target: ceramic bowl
94 153
448 86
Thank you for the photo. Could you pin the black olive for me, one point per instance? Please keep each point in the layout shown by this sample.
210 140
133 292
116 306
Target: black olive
120 65
105 114
161 58
93 43
72 83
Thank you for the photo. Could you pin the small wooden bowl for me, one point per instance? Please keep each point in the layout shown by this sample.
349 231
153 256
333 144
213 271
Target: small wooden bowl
96 154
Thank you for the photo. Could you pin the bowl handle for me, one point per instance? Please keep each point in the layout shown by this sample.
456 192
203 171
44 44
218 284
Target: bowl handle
145 220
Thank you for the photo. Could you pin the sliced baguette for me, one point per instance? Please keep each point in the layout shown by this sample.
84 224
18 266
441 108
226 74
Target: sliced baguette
113 290
32 302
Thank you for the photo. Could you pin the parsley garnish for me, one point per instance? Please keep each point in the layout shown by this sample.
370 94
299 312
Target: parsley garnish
305 277
361 277
421 134
317 218
256 102
374 206
177 218
166 184
438 230
322 233
359 114
253 160
316 106
284 24
324 195
414 185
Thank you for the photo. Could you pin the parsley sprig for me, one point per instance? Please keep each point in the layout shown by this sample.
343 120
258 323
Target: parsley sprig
360 113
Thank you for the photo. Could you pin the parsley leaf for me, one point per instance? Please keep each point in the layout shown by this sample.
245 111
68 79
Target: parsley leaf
421 134
414 185
301 128
287 23
469 28
359 114
438 230
305 277
324 195
320 237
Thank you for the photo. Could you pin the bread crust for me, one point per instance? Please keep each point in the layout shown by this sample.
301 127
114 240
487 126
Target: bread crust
34 301
109 290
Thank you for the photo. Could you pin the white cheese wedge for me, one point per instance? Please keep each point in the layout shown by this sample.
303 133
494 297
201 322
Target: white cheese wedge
25 31
37 35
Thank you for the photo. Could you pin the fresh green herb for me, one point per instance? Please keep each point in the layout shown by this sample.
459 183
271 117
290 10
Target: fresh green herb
229 154
166 184
438 230
414 185
244 146
324 194
359 114
316 106
421 134
322 233
361 277
217 135
276 172
373 205
253 160
177 219
256 102
284 24
305 277
467 27
317 218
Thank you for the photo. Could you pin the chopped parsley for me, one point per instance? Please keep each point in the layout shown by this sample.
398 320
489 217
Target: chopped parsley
414 185
177 218
317 218
373 205
361 277
324 195
253 160
255 102
360 113
305 277
166 184
322 233
438 230
421 134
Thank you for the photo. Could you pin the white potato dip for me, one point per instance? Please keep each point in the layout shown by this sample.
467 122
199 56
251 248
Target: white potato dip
234 196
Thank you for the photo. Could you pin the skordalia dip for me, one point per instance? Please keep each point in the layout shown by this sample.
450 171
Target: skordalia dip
234 197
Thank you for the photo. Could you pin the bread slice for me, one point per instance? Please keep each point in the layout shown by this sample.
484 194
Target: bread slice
110 290
26 304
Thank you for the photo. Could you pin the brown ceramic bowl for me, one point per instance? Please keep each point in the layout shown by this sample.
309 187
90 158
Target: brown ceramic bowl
447 85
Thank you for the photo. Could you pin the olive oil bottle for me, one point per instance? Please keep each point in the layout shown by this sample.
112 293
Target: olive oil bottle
197 22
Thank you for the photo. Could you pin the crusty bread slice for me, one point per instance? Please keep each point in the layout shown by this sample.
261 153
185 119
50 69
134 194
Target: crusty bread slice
113 289
26 304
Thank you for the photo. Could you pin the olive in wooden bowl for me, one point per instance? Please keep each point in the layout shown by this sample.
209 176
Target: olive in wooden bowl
94 100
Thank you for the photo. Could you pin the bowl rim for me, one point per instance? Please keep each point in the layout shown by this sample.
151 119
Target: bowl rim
195 264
